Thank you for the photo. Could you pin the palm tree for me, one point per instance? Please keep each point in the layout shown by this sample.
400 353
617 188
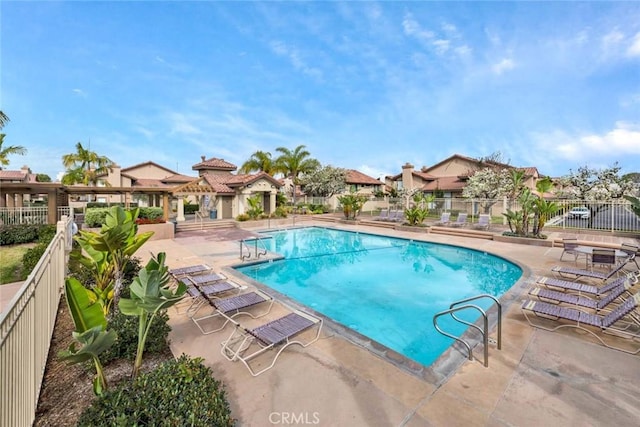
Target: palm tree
5 152
259 161
296 162
84 166
3 119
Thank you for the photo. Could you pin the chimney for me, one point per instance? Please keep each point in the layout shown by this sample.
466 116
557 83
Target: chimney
407 176
202 157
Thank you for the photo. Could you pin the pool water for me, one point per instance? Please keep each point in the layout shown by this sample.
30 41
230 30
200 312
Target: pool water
387 289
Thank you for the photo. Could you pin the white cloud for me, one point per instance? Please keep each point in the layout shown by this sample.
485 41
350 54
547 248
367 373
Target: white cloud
624 139
612 38
441 46
634 49
505 64
463 51
413 29
613 145
180 124
450 41
79 92
295 58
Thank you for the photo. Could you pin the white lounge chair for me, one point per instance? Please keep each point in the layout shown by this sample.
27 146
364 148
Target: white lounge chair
444 218
484 222
461 221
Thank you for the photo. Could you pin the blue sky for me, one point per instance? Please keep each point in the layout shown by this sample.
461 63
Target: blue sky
363 85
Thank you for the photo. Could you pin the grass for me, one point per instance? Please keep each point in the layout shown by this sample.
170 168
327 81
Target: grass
11 265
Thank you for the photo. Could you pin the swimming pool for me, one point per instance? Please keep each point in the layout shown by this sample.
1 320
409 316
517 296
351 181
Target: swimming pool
385 288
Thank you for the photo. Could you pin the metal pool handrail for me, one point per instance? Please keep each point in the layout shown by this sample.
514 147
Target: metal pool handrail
243 244
455 307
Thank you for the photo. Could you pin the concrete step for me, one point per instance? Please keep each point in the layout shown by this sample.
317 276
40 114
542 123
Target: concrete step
205 225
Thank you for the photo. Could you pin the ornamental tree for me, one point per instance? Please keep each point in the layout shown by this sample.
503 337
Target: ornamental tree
591 185
488 184
324 182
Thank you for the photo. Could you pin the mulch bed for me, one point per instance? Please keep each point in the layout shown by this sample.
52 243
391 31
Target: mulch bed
66 389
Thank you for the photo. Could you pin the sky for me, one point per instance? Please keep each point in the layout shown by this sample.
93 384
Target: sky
363 85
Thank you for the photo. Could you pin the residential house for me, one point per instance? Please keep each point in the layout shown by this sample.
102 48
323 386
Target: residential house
231 191
447 179
15 199
137 177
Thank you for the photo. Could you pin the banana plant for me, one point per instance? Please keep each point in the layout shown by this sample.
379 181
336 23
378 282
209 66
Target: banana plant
416 214
118 241
352 204
90 331
150 294
99 264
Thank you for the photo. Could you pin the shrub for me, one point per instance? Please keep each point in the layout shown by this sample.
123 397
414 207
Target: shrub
32 256
132 205
243 217
95 217
280 212
26 233
177 393
18 233
191 208
127 329
150 213
46 233
86 276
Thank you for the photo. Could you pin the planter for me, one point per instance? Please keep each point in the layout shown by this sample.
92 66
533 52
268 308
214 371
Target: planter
161 231
523 240
348 221
411 228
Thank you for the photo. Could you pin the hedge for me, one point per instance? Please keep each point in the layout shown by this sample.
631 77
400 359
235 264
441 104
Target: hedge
26 233
179 392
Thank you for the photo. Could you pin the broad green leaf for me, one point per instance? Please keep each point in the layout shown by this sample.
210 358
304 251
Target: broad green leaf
86 314
129 307
94 341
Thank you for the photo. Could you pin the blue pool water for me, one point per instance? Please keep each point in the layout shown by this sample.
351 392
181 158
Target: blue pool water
385 288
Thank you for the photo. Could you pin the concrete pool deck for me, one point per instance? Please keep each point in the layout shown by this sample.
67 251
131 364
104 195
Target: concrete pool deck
538 378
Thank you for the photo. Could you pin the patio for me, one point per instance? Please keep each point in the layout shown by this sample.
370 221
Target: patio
538 378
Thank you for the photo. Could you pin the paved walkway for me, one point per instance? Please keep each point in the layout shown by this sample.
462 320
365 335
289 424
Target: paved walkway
538 378
7 292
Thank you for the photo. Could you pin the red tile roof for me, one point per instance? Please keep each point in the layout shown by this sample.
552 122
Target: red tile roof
355 177
214 163
6 175
226 183
178 178
445 183
148 182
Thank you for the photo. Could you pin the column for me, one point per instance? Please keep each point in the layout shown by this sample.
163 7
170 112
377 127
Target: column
272 202
52 208
180 217
165 206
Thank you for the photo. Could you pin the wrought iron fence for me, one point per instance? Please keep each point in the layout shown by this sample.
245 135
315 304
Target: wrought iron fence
26 327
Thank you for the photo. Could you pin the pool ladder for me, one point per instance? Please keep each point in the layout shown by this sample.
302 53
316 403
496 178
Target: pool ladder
455 307
256 251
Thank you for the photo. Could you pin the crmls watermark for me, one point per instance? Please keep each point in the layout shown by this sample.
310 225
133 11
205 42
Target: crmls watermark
294 418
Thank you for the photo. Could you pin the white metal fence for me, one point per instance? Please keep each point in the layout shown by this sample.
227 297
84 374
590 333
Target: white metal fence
26 327
613 216
30 215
